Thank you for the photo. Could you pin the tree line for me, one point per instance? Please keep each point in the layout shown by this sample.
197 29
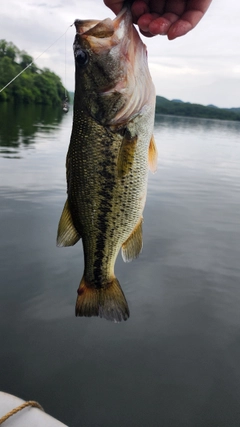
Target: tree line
186 109
34 85
42 86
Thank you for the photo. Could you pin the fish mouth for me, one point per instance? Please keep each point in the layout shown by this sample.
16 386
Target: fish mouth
82 26
125 61
118 36
106 28
94 28
113 36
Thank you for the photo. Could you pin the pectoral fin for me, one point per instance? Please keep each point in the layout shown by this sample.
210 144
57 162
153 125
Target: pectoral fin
133 245
152 155
126 153
67 234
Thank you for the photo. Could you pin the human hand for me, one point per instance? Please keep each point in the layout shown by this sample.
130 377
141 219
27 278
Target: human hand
173 18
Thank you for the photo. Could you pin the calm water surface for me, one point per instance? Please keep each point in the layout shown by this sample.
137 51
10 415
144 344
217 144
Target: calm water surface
176 361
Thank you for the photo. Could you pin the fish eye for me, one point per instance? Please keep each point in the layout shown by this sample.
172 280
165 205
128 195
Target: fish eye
81 57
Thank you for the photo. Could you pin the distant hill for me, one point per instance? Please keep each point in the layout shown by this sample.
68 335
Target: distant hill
177 100
177 107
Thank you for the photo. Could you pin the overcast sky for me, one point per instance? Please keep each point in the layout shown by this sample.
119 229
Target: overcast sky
201 67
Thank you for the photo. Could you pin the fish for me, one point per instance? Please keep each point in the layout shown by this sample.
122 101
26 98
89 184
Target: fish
111 149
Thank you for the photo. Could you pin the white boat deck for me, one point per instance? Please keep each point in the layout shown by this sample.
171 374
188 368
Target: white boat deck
29 416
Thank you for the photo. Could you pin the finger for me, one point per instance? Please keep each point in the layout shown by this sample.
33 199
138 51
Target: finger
162 24
197 5
176 6
158 6
186 23
114 5
194 13
141 7
180 28
138 9
145 20
146 34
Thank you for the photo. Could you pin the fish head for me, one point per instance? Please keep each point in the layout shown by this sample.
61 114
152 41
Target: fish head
112 78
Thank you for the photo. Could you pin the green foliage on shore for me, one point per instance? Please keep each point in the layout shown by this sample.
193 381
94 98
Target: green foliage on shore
33 85
186 109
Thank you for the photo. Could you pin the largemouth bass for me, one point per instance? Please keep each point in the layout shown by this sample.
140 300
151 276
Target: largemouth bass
110 150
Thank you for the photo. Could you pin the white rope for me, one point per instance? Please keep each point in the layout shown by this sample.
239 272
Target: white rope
19 408
29 65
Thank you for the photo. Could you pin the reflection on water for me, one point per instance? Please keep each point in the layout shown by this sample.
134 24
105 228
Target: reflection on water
191 123
20 124
175 362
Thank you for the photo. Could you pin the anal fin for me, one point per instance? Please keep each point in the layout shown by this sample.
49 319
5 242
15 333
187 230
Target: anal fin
152 155
133 245
67 234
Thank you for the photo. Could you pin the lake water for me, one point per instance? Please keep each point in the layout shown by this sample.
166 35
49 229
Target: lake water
176 361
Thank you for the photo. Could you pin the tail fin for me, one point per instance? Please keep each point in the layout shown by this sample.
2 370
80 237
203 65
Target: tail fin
109 302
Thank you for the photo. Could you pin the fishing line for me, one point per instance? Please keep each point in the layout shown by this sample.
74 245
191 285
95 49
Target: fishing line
65 104
29 65
65 82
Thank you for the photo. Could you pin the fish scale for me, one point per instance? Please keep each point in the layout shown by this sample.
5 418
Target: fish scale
107 192
110 151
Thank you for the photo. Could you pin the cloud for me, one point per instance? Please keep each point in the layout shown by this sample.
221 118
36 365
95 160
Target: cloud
202 66
48 6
